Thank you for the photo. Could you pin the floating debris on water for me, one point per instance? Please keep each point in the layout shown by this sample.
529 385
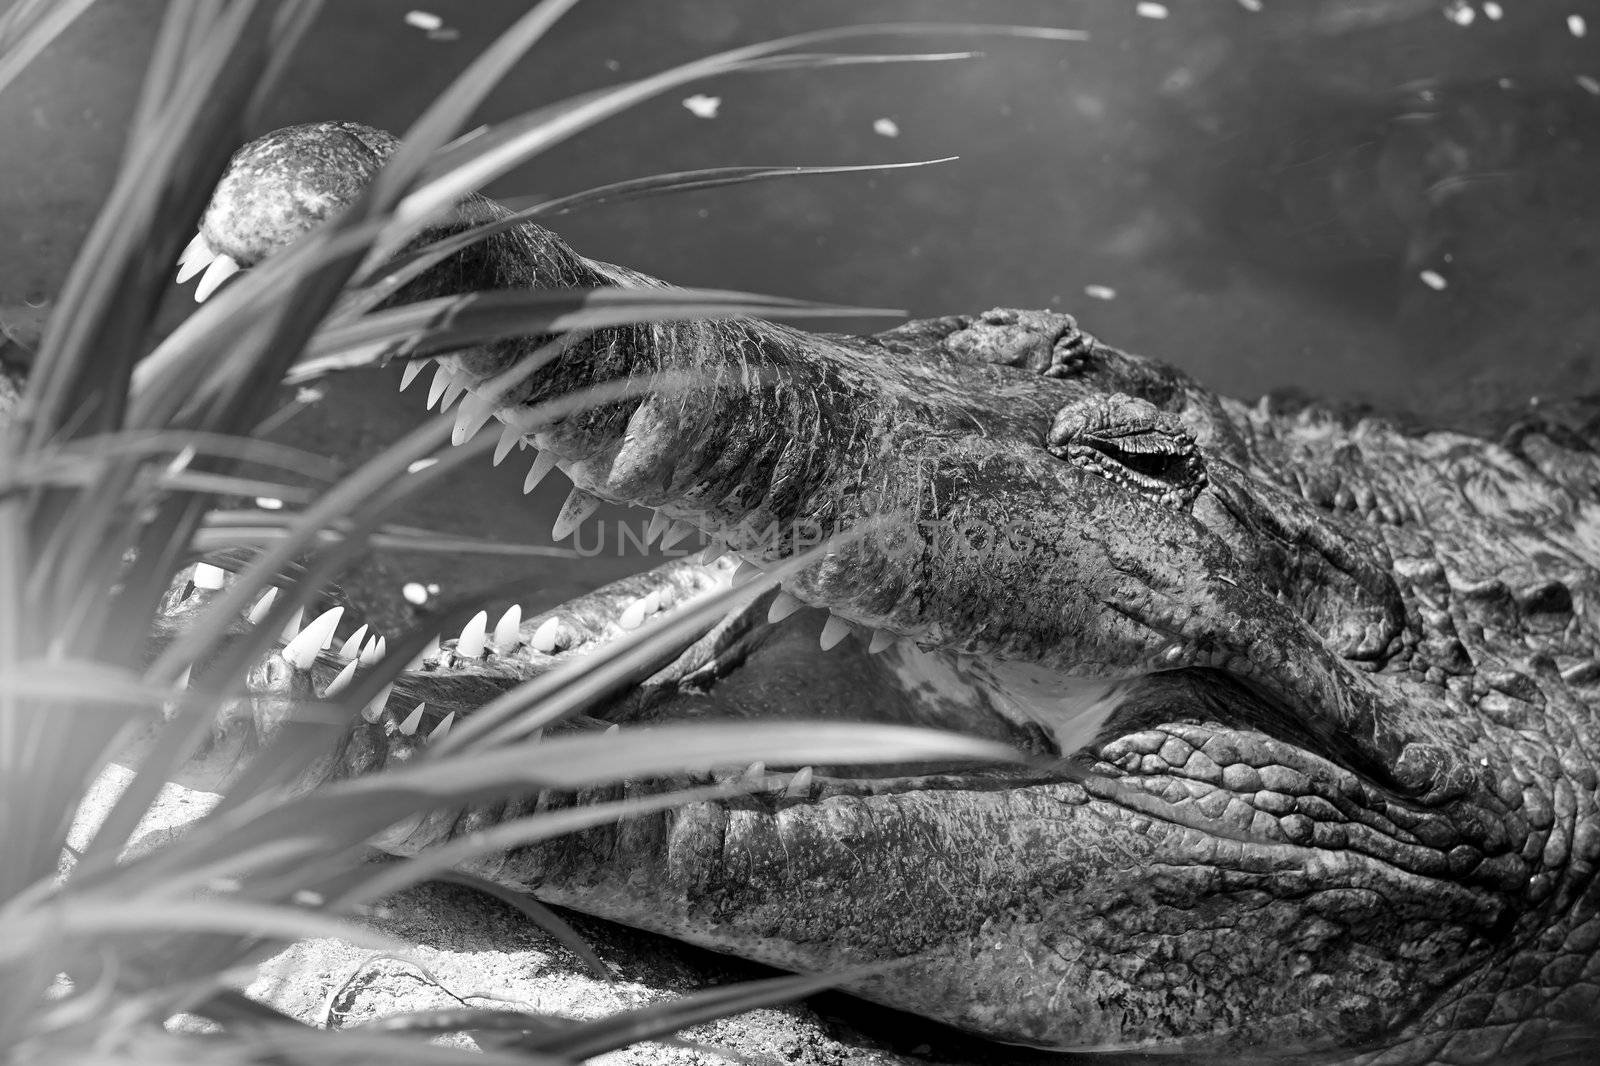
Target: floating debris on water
424 20
1577 25
1492 11
1148 9
269 503
414 593
420 464
885 127
1250 5
1589 84
1433 280
1461 13
1100 292
702 106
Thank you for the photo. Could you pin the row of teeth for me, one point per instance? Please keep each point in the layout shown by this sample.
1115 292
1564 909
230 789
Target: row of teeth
302 646
448 386
475 411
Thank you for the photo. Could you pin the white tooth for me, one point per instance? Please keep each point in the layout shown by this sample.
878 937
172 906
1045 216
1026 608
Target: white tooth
507 631
373 651
713 551
746 573
302 650
342 682
197 245
352 647
634 616
221 269
475 411
374 710
658 525
442 728
470 644
676 532
881 639
799 785
442 378
183 679
452 392
613 729
292 627
409 374
508 440
578 506
263 605
413 720
834 630
207 576
195 258
783 607
546 636
755 771
543 463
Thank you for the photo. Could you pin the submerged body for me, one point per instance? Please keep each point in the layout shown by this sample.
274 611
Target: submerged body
1340 683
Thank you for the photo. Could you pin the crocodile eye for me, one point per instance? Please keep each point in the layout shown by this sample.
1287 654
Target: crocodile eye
1133 443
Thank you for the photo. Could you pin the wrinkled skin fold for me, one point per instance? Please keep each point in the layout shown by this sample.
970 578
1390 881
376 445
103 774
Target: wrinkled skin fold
1338 680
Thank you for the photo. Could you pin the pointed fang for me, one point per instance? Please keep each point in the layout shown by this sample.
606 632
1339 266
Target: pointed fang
834 631
783 607
373 651
658 525
547 636
543 463
374 710
342 682
441 379
475 411
713 551
799 786
508 631
413 720
579 505
409 374
221 269
470 644
881 639
442 728
508 440
452 392
352 647
635 614
263 605
195 258
302 650
746 573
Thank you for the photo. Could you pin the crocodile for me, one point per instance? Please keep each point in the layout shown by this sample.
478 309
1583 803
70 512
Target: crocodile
1312 697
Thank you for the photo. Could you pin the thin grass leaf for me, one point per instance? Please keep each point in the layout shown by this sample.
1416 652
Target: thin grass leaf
398 273
80 917
539 914
449 323
28 29
471 165
245 528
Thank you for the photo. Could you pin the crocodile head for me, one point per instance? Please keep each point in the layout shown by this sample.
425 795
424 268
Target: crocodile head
1321 779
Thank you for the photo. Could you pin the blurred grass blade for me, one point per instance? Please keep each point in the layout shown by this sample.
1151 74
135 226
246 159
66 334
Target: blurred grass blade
396 274
540 915
28 28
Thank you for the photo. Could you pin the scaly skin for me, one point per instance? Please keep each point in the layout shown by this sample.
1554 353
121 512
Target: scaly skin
1339 680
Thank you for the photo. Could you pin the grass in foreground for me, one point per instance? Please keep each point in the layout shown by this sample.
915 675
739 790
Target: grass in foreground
113 469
